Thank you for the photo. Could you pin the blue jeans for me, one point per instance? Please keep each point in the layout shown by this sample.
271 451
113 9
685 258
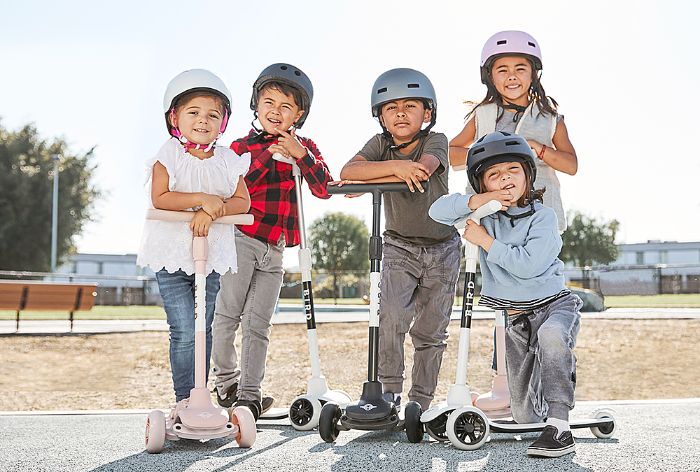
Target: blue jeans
177 290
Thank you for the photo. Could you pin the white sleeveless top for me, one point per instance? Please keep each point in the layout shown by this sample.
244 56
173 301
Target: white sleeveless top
168 244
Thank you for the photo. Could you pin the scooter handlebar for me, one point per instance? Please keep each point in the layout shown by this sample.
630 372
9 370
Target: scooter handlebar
287 160
168 215
369 188
488 208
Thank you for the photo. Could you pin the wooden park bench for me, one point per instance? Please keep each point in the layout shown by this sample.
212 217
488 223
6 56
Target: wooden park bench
36 295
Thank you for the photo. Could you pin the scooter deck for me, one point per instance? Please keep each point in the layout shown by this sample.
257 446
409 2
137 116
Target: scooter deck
275 414
507 427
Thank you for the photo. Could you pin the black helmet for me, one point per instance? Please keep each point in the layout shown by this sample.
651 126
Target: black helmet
289 75
495 148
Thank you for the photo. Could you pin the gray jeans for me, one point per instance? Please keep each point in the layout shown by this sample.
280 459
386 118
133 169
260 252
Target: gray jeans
246 299
417 286
540 361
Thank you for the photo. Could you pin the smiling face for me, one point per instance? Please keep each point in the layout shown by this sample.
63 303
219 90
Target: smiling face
199 119
512 77
404 118
277 111
508 176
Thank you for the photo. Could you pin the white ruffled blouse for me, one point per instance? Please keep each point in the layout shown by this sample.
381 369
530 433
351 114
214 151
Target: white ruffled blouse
168 244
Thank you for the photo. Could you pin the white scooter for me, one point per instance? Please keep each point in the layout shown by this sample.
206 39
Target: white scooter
457 420
305 410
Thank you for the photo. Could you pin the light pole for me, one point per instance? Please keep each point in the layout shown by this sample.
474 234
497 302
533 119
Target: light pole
54 212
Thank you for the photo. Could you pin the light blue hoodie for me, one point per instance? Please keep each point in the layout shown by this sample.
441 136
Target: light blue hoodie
523 262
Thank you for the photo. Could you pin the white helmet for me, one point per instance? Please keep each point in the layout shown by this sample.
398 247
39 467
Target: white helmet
193 80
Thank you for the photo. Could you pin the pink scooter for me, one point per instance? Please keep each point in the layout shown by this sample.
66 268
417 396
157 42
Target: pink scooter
199 419
496 403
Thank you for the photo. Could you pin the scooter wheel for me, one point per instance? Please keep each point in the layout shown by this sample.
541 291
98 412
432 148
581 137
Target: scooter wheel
604 431
328 422
304 413
414 428
467 428
155 432
243 418
437 427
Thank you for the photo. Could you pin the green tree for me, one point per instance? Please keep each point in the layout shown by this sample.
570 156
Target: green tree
339 242
588 241
26 194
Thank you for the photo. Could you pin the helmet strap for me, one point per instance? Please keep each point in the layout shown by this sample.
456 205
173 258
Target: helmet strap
525 214
519 109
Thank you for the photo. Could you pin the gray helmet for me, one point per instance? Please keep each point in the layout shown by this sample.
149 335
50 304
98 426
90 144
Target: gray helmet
495 148
289 75
396 84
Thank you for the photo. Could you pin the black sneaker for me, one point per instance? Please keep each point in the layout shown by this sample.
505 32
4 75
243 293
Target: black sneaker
266 404
549 445
252 405
229 398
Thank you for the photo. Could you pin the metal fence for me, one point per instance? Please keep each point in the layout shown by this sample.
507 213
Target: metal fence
606 280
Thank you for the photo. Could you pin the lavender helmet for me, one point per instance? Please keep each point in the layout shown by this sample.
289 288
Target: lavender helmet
507 43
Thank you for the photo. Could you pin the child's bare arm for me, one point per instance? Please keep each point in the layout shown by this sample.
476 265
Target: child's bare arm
162 198
459 145
562 156
239 202
358 168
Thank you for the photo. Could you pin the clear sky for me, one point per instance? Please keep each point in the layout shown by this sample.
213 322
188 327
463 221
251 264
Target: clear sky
625 74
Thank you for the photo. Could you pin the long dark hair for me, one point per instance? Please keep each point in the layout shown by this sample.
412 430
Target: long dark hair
547 105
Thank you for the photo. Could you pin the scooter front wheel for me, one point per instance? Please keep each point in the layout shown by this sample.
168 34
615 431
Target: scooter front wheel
328 422
468 428
243 418
155 432
304 413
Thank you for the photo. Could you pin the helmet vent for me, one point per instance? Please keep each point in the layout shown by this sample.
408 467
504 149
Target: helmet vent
478 150
531 44
297 73
512 143
283 67
502 42
382 90
413 85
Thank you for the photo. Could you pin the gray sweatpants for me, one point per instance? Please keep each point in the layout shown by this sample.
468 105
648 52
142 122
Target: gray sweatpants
246 299
417 286
541 367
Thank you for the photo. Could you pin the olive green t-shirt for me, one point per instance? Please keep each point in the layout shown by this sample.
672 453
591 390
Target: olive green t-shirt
406 213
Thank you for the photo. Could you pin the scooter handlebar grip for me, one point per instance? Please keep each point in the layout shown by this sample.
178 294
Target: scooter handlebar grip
369 188
168 215
486 209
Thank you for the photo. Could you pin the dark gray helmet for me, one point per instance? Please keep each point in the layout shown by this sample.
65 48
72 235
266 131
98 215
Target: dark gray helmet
289 75
396 84
495 148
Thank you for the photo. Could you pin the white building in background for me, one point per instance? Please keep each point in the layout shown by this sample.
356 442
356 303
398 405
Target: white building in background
646 269
119 279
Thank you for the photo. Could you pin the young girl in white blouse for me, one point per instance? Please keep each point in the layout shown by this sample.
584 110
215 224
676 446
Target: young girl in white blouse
191 173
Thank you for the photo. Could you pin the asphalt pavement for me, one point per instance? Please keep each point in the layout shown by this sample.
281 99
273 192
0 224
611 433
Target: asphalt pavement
651 435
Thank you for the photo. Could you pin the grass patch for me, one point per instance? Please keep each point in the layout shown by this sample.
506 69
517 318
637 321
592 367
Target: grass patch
137 312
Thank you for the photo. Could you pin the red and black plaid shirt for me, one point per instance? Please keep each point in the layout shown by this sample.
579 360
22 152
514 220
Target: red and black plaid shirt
273 200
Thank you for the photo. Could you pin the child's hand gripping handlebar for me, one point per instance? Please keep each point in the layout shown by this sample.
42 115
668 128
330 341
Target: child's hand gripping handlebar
168 215
471 251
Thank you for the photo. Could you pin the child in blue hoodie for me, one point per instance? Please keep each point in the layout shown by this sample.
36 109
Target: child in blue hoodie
521 273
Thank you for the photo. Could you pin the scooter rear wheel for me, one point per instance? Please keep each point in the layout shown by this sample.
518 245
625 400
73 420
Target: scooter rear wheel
243 418
604 431
304 413
414 428
155 432
468 428
328 422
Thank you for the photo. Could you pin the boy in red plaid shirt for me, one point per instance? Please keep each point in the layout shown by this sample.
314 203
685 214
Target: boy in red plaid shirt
281 100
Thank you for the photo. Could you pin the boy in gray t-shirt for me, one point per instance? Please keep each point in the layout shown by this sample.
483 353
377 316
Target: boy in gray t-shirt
421 256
